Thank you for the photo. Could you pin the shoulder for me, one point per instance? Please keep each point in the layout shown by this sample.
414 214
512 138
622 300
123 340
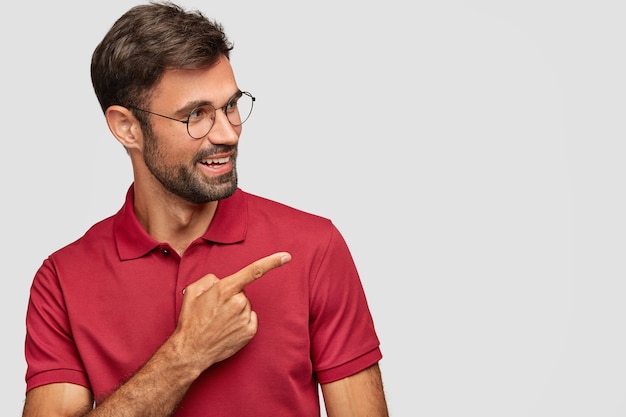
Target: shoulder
262 208
98 235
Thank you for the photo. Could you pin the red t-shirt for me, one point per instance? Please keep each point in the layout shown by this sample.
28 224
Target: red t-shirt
101 306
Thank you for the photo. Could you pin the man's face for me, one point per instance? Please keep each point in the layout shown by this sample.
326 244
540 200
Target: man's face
196 170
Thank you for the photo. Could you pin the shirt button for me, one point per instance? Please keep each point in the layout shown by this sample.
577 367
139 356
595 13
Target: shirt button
165 252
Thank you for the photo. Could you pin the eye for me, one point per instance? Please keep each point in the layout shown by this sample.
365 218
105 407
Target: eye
232 105
201 113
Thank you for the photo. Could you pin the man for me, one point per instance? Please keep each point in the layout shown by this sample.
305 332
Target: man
157 311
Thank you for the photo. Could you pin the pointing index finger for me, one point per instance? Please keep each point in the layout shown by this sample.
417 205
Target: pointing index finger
240 279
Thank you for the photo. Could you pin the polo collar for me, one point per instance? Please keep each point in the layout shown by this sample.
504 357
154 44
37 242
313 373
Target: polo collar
229 225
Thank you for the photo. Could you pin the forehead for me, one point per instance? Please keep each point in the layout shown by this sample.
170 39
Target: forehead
213 84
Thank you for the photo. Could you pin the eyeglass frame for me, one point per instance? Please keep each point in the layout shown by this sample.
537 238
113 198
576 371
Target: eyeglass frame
238 94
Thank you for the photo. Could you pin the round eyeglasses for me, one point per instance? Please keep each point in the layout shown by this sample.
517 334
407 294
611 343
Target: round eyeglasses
200 120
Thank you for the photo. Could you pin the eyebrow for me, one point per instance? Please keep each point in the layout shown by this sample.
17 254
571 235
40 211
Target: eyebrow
190 105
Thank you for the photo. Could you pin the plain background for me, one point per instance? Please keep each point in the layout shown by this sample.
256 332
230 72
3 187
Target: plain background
471 152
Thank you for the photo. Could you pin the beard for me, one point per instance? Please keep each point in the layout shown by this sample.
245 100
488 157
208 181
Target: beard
186 181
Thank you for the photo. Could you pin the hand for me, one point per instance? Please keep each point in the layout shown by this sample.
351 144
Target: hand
216 319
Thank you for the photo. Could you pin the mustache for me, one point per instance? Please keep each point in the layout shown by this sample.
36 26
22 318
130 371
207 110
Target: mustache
216 150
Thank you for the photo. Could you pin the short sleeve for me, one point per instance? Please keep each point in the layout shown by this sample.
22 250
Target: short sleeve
343 337
51 353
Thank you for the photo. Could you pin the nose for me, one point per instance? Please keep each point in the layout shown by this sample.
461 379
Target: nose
223 132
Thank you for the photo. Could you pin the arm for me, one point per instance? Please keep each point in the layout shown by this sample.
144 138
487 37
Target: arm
67 400
215 322
359 395
155 390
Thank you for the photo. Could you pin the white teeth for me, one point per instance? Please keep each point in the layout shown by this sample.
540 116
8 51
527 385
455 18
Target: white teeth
215 161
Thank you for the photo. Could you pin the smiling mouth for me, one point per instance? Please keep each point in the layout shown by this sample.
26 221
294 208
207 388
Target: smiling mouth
215 161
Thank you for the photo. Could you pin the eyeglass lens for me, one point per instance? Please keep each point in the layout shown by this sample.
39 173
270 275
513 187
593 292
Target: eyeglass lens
237 111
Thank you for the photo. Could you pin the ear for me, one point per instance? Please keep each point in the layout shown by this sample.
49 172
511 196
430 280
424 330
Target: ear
124 126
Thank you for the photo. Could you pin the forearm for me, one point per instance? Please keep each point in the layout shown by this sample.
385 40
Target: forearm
155 390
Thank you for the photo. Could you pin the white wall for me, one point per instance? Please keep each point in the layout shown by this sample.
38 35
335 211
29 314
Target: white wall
471 152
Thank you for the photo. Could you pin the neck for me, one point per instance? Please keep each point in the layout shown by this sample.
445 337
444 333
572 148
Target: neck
168 218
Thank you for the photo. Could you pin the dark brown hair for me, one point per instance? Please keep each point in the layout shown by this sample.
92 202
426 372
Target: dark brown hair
146 40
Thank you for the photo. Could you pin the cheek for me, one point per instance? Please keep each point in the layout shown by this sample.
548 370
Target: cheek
168 145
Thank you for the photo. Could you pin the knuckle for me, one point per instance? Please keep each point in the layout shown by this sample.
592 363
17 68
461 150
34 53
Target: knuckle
240 301
256 271
201 285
